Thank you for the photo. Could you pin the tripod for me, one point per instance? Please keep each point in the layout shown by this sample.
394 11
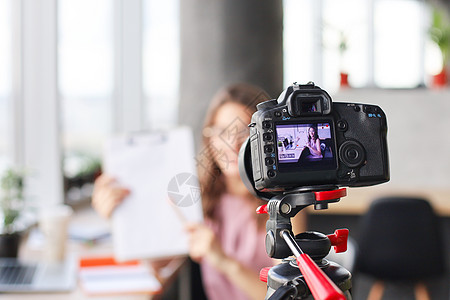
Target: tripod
308 274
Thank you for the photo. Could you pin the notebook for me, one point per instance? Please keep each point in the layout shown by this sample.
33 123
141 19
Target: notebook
102 276
160 170
22 276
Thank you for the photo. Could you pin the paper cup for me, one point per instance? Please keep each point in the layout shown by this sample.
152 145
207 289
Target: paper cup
53 222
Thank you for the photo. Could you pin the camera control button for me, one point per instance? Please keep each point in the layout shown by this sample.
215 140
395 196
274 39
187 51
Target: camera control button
368 109
277 114
269 161
271 173
342 125
268 148
267 136
352 154
356 108
267 124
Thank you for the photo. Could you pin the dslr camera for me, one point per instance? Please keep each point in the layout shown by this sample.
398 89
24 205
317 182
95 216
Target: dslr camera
303 139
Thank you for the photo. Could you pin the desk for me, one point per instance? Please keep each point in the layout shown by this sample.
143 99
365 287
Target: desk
358 200
102 248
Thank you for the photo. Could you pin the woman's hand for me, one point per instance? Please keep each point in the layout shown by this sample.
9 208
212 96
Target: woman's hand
203 244
107 195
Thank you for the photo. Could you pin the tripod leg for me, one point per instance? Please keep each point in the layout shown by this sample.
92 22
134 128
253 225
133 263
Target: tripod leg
376 292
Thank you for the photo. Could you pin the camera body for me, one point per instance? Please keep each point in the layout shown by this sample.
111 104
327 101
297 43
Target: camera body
304 139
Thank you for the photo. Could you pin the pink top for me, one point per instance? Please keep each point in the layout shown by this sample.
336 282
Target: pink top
237 231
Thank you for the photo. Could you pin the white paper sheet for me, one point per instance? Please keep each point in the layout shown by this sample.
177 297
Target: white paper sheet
152 166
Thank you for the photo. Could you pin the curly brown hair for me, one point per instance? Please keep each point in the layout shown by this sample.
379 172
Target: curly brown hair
211 178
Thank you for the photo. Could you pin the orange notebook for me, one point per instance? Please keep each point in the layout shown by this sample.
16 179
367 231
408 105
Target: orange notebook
105 276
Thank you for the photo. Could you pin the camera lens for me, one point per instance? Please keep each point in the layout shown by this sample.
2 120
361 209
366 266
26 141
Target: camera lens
351 154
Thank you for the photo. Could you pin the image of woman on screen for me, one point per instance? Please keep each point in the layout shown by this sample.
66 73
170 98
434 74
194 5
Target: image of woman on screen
313 143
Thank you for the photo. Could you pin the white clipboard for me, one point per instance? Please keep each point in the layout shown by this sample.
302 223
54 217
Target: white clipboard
154 166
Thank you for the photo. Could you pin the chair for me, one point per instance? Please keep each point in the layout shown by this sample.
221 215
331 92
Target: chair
400 241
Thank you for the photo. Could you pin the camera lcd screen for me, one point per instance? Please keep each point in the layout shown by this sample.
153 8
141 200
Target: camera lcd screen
306 146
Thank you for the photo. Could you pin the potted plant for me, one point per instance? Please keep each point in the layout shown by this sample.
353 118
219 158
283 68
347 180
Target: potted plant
11 205
440 34
81 170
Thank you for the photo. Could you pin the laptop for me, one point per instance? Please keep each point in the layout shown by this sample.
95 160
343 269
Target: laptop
21 276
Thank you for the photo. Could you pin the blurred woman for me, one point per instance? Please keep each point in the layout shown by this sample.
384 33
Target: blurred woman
229 245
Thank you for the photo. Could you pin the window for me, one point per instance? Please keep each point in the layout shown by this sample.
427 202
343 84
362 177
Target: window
86 73
377 42
161 62
399 43
5 84
91 74
345 42
300 61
